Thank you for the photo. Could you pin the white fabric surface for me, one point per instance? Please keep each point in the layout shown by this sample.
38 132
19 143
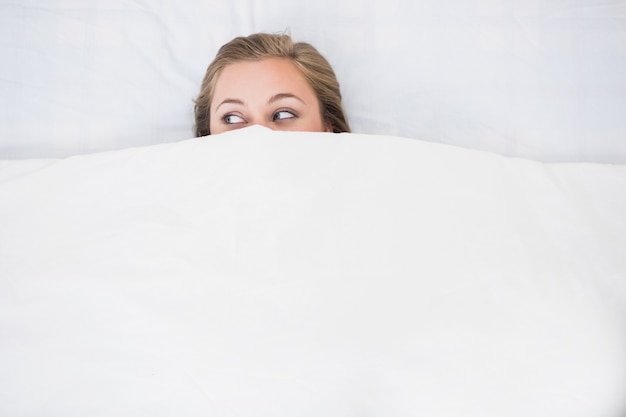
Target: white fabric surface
538 79
262 273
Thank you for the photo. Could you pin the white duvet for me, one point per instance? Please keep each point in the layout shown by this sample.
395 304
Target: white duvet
261 273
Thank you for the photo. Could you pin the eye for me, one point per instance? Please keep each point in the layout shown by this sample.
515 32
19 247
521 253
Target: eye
283 115
233 119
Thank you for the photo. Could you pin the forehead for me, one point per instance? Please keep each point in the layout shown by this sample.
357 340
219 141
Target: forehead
267 76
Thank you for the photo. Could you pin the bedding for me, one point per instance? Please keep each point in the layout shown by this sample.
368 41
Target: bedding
536 79
266 273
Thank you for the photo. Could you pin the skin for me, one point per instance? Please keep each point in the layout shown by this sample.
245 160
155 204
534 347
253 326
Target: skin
271 92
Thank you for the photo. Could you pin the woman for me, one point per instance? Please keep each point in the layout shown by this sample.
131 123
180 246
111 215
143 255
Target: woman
269 80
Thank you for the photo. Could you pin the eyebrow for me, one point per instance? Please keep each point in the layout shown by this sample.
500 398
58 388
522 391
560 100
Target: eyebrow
281 96
273 99
230 101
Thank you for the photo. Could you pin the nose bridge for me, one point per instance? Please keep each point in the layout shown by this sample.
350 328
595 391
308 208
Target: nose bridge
262 122
258 118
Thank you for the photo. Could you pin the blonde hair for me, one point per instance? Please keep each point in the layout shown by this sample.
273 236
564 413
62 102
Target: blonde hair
315 68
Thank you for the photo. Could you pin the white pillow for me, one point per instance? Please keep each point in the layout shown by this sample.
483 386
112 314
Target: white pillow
538 80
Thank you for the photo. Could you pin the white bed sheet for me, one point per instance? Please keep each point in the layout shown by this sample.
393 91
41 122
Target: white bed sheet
266 273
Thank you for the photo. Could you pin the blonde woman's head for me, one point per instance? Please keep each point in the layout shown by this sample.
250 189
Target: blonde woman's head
270 80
